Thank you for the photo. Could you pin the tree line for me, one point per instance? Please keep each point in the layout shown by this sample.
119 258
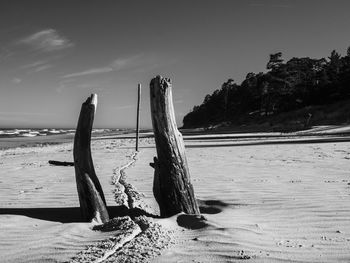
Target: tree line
285 86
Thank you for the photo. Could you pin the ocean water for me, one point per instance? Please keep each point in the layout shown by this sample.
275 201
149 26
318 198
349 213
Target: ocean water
34 132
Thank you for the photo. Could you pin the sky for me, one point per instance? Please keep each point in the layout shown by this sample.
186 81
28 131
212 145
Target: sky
54 54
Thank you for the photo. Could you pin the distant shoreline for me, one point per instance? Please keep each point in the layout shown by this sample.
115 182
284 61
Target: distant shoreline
219 137
12 138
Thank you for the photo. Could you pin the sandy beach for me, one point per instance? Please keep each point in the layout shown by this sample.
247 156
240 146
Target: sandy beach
39 202
174 131
263 202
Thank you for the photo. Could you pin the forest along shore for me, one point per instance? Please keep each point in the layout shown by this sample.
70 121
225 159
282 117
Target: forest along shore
290 96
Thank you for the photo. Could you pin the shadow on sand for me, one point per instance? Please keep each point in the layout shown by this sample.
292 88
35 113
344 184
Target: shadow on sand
72 214
69 214
199 221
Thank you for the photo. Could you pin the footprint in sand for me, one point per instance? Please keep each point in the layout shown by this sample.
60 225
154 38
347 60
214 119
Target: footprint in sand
289 243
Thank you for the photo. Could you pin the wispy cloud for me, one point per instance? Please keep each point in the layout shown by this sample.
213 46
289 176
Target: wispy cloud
89 72
16 113
34 64
92 85
16 80
124 107
64 84
43 67
37 66
122 63
279 4
4 54
116 65
46 40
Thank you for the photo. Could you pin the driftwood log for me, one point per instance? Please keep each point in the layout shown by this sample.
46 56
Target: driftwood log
59 163
91 198
171 187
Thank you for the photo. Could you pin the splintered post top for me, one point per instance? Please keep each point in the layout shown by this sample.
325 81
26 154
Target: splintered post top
92 100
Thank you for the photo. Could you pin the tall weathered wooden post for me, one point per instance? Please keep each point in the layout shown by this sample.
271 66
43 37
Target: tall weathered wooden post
172 187
91 198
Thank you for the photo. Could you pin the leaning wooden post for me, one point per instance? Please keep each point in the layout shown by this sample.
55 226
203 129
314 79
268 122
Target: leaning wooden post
138 116
91 198
172 187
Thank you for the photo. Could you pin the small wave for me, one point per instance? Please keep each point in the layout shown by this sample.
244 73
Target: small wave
8 133
28 135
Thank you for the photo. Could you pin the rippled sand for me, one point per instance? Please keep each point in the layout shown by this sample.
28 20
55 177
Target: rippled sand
39 205
269 203
263 203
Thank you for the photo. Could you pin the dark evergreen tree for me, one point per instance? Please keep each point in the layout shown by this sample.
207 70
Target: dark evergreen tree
298 83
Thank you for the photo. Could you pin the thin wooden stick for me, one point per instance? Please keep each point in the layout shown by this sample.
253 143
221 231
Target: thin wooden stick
138 115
